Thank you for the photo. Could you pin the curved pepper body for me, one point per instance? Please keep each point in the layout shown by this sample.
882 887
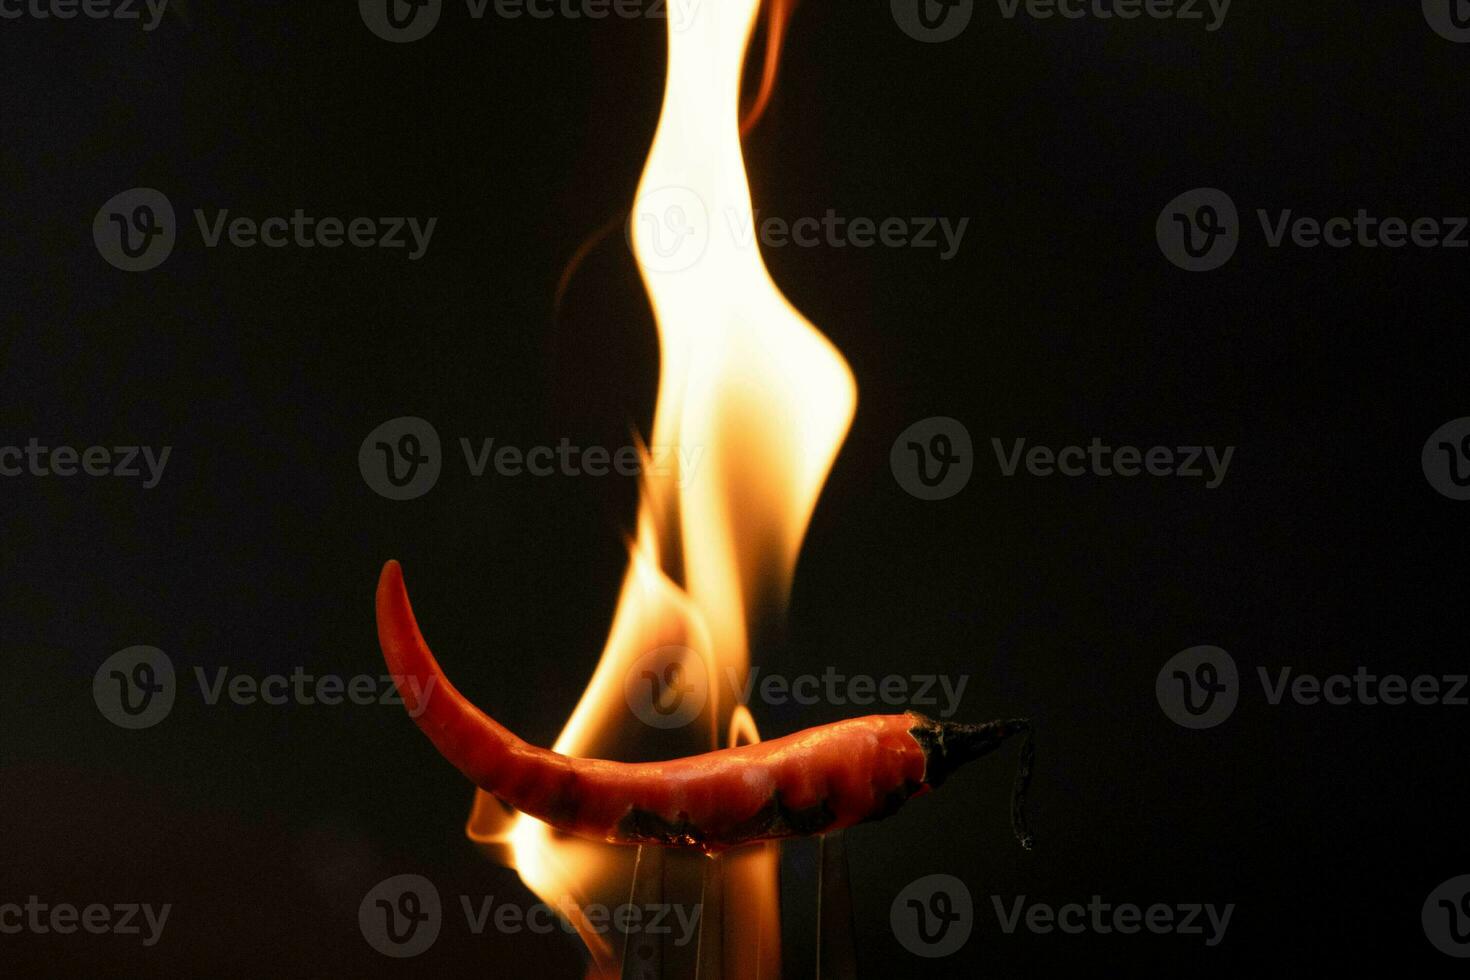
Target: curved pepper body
814 781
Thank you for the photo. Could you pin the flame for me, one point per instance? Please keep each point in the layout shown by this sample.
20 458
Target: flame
762 401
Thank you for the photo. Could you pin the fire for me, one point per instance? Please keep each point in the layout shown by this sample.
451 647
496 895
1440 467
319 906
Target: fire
762 400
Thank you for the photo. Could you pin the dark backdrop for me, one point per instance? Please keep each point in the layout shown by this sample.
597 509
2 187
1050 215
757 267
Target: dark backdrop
1059 320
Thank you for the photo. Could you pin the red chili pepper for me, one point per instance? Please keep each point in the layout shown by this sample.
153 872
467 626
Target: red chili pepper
815 781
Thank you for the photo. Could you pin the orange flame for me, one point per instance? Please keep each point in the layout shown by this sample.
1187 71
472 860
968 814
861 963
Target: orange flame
758 402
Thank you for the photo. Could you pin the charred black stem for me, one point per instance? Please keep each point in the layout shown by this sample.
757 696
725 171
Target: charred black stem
948 745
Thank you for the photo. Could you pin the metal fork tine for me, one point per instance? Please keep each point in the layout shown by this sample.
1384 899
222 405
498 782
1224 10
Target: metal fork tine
711 964
643 954
836 952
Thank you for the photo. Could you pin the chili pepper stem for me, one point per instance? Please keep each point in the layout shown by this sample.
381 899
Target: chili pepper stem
948 745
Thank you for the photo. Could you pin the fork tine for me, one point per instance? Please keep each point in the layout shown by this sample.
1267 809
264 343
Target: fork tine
712 922
836 952
643 953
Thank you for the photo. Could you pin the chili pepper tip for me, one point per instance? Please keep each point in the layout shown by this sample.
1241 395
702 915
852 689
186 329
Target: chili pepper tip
948 745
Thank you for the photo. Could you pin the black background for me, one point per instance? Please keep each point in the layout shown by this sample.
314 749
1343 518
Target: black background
1058 321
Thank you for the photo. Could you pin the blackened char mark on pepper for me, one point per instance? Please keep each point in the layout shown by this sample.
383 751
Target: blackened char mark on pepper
895 800
774 820
645 827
